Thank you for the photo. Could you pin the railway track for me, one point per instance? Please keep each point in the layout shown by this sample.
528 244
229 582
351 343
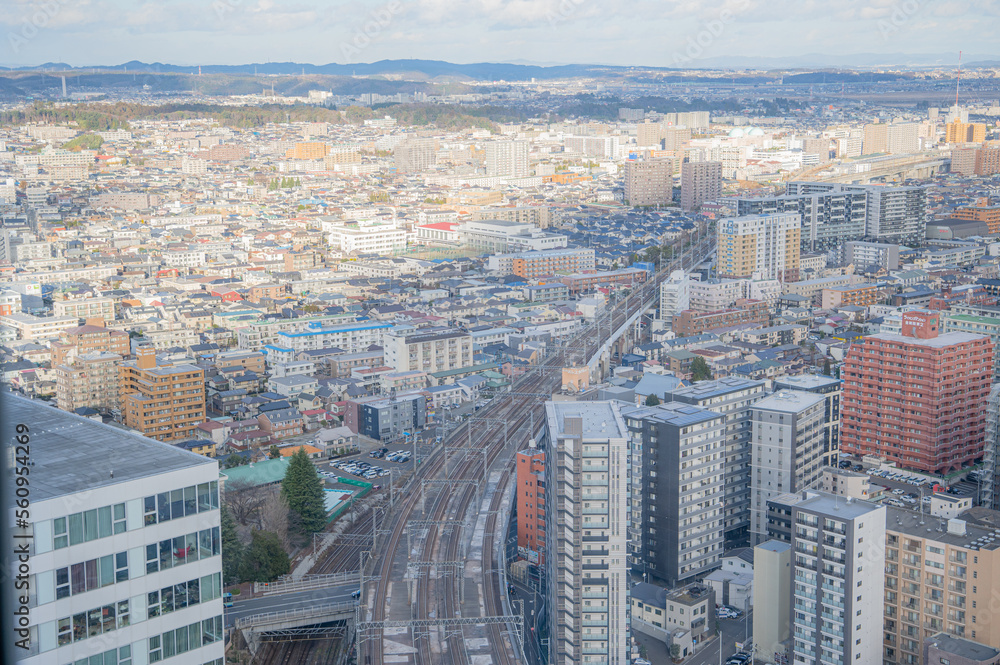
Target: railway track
440 597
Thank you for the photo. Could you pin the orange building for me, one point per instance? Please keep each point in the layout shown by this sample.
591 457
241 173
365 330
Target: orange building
89 338
163 402
981 212
531 505
964 132
312 150
861 295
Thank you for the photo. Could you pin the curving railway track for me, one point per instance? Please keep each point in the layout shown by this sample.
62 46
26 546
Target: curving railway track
469 537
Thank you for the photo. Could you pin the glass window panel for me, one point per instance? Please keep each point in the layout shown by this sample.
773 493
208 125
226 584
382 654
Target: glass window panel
62 583
97 659
152 558
104 522
216 541
182 639
180 551
190 500
166 557
79 627
213 493
163 506
94 622
119 511
153 603
59 526
64 627
193 635
192 546
123 613
107 570
180 596
76 529
206 631
176 504
79 583
169 644
149 510
93 579
167 599
194 592
125 651
108 618
204 503
205 543
121 567
89 525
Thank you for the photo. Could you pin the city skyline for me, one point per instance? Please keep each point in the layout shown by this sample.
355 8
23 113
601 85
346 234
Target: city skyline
674 34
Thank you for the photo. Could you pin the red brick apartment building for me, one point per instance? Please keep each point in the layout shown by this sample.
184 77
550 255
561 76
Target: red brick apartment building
531 505
917 399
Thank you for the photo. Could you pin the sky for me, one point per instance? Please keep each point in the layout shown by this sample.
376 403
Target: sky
621 32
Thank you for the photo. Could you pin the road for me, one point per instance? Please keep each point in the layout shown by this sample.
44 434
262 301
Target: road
288 601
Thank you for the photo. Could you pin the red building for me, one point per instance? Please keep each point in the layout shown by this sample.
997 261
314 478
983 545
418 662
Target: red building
531 505
917 399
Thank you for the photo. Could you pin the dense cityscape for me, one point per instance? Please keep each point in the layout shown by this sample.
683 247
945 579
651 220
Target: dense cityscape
423 363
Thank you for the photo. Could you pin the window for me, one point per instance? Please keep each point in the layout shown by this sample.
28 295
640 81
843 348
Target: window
149 510
60 538
119 518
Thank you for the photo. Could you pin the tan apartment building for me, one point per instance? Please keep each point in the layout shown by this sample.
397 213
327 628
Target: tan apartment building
90 381
250 361
700 182
85 308
163 402
89 338
429 351
862 295
764 245
941 575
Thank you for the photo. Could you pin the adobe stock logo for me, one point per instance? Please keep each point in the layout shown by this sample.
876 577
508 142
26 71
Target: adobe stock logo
35 23
379 20
702 40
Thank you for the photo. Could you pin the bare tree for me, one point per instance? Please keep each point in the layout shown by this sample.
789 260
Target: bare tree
244 501
273 515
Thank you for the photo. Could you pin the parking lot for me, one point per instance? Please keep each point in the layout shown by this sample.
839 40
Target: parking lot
906 492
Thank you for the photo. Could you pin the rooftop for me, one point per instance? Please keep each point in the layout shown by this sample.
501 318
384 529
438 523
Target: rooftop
718 388
921 525
673 413
601 420
789 401
940 342
963 648
824 503
82 454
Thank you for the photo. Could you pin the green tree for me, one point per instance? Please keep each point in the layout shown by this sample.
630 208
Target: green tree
265 559
700 370
236 460
274 453
303 490
826 367
652 400
232 548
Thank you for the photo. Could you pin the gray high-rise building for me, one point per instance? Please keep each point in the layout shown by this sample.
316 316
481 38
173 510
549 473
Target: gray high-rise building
828 218
415 154
893 214
731 397
831 389
649 183
786 451
676 528
700 182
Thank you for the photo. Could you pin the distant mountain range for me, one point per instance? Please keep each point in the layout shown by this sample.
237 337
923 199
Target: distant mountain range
487 71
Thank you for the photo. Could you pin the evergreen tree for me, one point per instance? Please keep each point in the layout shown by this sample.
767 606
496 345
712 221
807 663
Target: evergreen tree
265 559
232 548
303 490
826 367
274 453
700 370
652 400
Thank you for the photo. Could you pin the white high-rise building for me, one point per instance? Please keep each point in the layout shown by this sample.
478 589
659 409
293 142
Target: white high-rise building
838 579
761 246
675 296
507 159
126 561
586 502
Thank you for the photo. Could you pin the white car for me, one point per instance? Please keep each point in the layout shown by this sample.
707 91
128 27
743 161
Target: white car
898 491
